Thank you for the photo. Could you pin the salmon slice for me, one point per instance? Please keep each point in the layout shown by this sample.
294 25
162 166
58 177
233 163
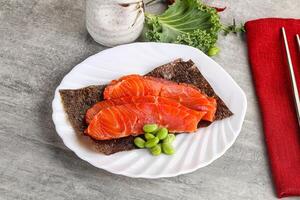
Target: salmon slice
128 119
187 94
91 112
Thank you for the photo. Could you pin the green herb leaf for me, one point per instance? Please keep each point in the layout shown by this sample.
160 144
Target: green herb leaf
234 29
187 22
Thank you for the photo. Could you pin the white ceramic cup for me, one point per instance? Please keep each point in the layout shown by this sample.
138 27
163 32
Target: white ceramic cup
114 22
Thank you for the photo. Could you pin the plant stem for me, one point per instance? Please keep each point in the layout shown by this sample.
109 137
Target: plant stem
149 2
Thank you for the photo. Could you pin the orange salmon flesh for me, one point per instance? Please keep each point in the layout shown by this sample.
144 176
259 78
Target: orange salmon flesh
187 94
128 119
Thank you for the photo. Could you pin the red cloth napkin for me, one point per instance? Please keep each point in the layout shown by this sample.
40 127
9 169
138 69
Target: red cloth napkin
275 95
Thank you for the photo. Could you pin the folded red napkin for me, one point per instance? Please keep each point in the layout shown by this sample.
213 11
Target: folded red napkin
275 95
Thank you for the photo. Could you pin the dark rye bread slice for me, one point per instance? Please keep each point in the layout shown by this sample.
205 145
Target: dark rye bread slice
76 102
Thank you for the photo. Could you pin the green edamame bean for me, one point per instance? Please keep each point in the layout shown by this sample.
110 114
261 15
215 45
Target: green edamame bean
156 150
152 142
155 132
149 136
172 137
162 133
149 128
213 51
169 139
168 148
139 142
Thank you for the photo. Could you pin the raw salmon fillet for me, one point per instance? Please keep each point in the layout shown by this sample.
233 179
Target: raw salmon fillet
128 119
188 95
91 112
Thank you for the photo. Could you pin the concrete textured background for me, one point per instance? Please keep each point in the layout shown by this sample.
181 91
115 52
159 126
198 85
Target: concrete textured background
40 41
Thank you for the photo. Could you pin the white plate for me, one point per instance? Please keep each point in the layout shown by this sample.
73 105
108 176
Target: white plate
193 151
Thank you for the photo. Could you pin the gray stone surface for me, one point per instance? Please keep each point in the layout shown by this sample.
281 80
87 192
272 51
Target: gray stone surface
40 41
